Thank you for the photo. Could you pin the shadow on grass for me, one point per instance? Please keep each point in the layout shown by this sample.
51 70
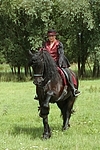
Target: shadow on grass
35 132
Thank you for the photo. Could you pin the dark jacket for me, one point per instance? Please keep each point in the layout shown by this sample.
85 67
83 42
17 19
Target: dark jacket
63 62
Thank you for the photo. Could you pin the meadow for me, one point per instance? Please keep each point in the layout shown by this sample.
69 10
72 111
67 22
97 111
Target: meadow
21 128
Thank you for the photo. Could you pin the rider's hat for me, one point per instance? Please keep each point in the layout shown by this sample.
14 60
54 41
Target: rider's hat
51 32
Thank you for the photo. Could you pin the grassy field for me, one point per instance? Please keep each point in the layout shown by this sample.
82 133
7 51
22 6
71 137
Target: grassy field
21 128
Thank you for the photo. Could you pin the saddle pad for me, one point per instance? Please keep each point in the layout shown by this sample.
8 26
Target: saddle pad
61 72
62 75
74 79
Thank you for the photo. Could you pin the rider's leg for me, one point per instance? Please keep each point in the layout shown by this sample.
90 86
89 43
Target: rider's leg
69 77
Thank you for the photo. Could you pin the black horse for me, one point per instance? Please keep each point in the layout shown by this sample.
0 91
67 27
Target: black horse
49 88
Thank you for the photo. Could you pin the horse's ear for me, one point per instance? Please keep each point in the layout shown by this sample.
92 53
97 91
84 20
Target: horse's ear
31 52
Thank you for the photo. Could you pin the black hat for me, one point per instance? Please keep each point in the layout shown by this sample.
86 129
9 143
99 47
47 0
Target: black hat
51 32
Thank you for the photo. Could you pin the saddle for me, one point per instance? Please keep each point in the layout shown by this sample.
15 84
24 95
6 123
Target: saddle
64 76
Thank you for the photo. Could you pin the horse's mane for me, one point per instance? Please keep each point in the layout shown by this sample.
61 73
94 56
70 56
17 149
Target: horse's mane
50 67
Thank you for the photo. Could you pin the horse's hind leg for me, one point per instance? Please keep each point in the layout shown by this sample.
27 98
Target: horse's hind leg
47 131
66 112
66 117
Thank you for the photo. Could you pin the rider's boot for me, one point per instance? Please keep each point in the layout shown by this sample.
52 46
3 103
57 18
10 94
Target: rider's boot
75 91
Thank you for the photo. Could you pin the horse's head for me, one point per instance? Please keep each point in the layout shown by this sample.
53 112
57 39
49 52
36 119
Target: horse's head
38 67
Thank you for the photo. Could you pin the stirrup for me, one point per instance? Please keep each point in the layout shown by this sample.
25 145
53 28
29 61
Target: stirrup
76 93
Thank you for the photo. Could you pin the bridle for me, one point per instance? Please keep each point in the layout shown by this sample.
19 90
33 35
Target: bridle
42 82
39 78
38 75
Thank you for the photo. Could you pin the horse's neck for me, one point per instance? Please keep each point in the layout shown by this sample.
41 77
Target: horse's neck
53 77
50 68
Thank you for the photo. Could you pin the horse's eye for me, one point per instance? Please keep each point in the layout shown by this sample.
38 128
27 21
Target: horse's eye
34 60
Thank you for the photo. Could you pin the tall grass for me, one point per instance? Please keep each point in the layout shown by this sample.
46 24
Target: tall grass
21 127
6 74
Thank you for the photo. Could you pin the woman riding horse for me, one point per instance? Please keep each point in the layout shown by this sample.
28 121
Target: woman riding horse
55 48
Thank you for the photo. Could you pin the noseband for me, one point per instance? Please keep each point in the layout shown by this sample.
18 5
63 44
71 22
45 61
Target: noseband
38 75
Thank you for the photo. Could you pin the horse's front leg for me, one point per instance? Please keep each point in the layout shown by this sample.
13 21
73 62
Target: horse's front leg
44 111
47 99
47 132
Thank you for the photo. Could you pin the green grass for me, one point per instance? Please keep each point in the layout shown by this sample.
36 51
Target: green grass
21 128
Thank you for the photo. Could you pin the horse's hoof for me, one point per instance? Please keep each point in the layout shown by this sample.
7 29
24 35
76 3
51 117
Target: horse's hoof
68 125
46 136
65 127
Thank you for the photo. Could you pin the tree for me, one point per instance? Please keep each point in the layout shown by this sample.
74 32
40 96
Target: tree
24 25
95 9
76 21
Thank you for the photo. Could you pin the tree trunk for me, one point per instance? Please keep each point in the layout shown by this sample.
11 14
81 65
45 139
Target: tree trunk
83 69
79 68
97 68
26 70
18 70
94 71
30 72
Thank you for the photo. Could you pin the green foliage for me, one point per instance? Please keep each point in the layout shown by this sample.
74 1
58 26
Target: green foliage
24 25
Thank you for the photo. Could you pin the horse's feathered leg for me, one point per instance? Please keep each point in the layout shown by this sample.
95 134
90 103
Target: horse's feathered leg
66 118
47 131
67 111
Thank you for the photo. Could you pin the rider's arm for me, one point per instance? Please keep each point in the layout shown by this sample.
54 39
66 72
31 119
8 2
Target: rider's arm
61 54
63 61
